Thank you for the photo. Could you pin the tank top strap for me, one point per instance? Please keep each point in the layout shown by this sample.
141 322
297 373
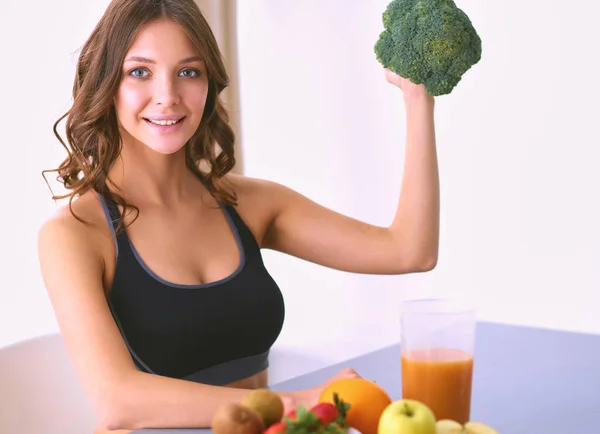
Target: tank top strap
113 217
249 243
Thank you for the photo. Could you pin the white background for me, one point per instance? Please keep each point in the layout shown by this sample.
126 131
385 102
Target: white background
517 142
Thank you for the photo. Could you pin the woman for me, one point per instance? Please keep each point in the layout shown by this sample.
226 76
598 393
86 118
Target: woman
154 271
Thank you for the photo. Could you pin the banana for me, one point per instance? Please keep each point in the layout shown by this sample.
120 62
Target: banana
447 426
479 428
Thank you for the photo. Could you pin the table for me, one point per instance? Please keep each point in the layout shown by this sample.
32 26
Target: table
526 380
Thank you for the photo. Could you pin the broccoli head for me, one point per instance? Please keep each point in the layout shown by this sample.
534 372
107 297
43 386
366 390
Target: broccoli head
430 42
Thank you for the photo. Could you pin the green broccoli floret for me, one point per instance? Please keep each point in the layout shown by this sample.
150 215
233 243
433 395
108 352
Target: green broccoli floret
430 42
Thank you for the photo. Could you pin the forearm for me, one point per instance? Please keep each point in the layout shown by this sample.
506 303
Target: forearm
152 401
416 224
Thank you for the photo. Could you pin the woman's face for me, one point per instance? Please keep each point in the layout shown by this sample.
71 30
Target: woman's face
163 89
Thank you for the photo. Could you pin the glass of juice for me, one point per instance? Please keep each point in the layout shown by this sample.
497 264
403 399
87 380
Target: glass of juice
437 339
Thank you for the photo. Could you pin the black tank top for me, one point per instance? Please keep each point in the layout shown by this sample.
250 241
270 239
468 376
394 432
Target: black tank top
213 333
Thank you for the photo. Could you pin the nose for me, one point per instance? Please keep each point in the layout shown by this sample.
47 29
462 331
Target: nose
166 93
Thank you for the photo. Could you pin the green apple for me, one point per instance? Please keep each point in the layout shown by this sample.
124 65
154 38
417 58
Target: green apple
407 416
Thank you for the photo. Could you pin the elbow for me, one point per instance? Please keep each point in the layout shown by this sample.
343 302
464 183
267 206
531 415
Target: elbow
427 264
426 260
421 264
111 422
413 255
112 417
114 412
411 267
108 423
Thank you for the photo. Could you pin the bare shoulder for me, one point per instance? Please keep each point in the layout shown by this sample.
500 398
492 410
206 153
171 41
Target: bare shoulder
84 217
258 201
270 196
80 227
268 193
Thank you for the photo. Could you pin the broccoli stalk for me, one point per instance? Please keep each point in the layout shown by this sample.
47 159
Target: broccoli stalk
430 42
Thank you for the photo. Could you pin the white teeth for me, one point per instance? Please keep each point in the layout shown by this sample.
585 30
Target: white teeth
164 122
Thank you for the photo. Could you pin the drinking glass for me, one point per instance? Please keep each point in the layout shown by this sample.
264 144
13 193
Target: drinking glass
437 340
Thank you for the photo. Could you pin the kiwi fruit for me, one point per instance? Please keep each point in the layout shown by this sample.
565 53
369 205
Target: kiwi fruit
234 418
267 403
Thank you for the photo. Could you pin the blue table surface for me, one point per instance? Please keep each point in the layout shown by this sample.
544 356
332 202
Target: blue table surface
525 381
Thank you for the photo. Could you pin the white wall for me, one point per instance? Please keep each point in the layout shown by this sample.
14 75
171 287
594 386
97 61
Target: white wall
517 151
41 40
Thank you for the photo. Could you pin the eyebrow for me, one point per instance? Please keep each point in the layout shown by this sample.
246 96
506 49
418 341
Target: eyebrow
148 60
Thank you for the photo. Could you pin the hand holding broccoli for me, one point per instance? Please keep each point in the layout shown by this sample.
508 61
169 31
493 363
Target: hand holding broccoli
409 89
429 42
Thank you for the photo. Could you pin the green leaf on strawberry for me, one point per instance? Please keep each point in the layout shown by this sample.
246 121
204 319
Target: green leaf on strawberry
342 408
325 419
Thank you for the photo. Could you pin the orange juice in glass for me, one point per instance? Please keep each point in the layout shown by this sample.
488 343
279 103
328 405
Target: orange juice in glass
437 340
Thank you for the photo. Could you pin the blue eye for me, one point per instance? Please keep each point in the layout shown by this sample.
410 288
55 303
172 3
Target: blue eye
139 73
190 73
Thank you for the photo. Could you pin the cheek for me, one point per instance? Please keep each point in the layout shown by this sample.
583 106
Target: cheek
196 98
129 102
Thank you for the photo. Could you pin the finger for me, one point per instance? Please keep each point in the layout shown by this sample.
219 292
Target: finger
391 75
394 79
349 372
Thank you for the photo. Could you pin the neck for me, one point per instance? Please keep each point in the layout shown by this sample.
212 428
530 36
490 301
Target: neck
145 176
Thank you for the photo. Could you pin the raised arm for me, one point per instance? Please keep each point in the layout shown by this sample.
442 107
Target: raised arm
310 231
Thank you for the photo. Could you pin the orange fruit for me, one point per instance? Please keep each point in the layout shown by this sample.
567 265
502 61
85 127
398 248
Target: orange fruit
367 401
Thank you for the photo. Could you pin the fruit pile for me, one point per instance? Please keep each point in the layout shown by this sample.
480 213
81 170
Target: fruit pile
261 412
349 403
407 416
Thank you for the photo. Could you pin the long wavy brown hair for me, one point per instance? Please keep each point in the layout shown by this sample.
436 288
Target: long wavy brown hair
92 132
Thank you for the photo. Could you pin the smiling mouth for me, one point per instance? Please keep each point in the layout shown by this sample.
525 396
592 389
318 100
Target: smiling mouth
164 122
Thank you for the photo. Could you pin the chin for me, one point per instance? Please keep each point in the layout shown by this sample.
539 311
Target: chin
166 148
165 145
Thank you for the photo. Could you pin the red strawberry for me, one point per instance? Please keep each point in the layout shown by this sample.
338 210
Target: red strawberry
276 428
325 412
291 414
